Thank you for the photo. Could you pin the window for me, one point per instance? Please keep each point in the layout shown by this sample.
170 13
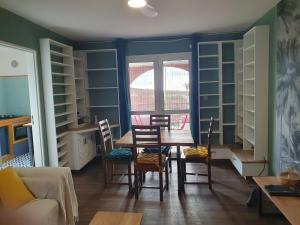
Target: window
141 76
159 84
176 85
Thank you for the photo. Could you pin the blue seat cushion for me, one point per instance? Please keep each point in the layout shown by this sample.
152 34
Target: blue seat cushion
164 150
119 154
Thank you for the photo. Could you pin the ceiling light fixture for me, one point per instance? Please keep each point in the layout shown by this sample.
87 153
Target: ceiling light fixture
137 3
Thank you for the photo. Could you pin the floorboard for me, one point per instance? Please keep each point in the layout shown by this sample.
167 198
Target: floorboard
225 205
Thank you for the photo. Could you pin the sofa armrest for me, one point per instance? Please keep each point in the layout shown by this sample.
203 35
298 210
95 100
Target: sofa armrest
42 187
53 183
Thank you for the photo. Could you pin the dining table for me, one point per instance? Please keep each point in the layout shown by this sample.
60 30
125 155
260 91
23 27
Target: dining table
176 138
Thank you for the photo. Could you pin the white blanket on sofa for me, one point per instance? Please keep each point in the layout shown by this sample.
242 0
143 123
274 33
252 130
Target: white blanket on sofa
54 183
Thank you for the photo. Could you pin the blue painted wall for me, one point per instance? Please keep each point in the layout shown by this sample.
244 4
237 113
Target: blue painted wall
90 45
220 36
2 99
4 147
14 96
158 45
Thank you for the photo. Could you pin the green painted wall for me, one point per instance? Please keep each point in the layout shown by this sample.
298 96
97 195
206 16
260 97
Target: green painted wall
19 31
270 18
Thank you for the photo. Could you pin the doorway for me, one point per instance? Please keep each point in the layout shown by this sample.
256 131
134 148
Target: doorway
20 124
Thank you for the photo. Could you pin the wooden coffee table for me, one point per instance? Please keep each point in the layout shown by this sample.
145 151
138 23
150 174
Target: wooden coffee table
116 218
288 206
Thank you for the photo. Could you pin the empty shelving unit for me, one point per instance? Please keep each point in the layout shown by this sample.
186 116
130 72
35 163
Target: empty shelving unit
80 85
253 158
59 96
217 84
228 91
239 89
255 91
103 87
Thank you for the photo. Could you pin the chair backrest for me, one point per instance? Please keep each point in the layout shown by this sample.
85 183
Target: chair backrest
105 135
163 121
209 136
146 136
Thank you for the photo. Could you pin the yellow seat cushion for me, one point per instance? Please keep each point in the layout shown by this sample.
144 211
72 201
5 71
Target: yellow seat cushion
196 152
13 192
150 158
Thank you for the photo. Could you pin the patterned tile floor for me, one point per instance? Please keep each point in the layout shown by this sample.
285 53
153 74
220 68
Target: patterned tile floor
20 161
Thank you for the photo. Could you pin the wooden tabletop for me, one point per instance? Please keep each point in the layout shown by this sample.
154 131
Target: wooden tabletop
168 138
116 218
27 125
288 206
17 120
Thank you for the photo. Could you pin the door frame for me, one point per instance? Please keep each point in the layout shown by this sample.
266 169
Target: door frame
158 59
35 101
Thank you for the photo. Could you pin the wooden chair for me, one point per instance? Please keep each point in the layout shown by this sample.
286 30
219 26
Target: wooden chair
199 154
164 121
148 137
112 156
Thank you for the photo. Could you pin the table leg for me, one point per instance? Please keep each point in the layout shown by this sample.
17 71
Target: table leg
260 203
178 170
136 185
260 206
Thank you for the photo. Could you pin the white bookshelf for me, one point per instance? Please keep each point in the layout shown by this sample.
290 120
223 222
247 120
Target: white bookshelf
82 94
103 87
59 97
239 88
255 91
217 89
210 93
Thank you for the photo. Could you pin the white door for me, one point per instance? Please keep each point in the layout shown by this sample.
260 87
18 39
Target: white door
159 84
18 61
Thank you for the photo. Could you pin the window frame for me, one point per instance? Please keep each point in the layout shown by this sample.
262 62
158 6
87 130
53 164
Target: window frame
157 60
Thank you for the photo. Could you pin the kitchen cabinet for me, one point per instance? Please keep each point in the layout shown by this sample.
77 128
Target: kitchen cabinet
84 148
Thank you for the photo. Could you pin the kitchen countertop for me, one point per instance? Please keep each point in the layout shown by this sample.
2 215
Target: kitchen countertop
17 120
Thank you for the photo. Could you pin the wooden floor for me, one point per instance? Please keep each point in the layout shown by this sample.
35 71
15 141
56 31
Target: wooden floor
225 205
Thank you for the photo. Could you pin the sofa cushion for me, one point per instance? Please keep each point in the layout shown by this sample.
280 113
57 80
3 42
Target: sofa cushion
13 192
198 152
41 211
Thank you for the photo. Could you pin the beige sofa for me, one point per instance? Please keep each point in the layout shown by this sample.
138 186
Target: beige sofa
56 202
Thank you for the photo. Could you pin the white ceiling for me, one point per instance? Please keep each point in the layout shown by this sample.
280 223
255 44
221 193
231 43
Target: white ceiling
105 19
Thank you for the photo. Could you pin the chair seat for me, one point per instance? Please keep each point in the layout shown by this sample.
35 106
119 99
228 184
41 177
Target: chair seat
150 158
164 150
119 154
196 152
